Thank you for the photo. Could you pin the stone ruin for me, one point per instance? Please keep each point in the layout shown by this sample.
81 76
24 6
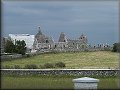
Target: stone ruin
44 43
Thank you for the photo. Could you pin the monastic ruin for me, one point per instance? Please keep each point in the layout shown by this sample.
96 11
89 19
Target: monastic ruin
45 43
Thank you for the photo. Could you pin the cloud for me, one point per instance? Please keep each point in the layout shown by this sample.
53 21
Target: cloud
72 17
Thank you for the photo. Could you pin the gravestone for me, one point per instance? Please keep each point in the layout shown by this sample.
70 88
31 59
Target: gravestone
85 83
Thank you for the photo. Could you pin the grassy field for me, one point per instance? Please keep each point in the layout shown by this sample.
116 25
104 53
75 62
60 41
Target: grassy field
82 60
51 82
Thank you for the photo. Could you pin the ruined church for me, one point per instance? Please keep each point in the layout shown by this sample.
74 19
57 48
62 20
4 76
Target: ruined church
43 42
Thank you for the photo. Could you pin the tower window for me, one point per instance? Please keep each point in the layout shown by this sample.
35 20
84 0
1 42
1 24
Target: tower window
55 46
47 41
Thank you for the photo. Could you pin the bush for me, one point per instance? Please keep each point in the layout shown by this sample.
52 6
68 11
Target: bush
116 47
17 67
60 64
31 66
41 66
7 67
24 56
2 67
28 55
48 65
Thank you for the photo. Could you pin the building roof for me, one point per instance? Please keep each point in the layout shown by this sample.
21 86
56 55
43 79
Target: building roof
41 38
62 37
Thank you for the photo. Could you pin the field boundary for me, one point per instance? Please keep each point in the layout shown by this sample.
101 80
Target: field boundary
54 69
82 72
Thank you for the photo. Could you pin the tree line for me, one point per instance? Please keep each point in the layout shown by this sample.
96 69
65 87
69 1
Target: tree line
19 47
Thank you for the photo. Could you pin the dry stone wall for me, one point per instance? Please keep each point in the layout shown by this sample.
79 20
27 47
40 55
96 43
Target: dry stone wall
98 72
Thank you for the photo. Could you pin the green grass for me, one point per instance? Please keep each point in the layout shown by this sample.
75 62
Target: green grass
98 59
51 82
36 82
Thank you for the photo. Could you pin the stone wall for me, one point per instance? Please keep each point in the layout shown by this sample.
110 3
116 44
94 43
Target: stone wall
9 57
75 72
73 47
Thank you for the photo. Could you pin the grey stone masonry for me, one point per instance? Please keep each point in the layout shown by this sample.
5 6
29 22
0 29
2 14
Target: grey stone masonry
82 72
65 44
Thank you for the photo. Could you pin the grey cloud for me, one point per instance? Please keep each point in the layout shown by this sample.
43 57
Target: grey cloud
73 18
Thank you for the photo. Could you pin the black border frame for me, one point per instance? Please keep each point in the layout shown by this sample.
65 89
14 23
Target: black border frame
1 29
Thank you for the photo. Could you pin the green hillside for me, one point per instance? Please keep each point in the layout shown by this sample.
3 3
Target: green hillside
78 60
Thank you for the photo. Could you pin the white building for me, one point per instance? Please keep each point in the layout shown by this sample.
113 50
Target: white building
29 39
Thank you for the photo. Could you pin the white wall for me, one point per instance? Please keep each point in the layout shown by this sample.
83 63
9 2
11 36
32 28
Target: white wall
29 39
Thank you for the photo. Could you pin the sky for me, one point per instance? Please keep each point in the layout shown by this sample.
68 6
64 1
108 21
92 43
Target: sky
98 20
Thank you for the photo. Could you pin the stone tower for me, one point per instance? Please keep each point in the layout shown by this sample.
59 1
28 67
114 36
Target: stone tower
62 37
39 36
83 39
41 41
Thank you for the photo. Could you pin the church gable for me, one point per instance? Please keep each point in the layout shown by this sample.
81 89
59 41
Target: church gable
62 38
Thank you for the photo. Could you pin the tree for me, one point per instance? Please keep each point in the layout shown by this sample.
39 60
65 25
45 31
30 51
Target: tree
116 47
9 47
20 47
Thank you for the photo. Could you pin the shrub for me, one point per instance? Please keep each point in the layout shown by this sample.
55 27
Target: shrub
17 67
116 47
48 65
24 56
28 55
2 67
7 67
41 66
60 64
31 66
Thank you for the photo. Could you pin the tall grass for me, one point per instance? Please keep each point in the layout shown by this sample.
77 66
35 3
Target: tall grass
51 82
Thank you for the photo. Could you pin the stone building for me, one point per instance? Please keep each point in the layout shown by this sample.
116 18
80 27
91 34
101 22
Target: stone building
43 42
62 43
79 44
